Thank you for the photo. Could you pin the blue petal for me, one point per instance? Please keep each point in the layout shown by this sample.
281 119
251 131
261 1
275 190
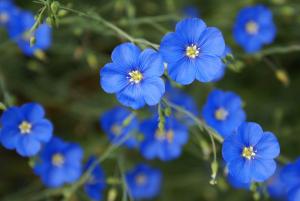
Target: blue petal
172 48
183 72
151 63
72 174
131 96
153 89
190 29
113 78
43 37
126 55
54 178
267 34
250 133
262 169
232 148
212 42
33 112
149 149
28 146
240 169
11 116
268 146
208 68
294 194
9 137
42 130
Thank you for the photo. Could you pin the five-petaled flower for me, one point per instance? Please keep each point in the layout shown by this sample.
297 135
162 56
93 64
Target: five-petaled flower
250 153
25 129
59 162
193 51
254 27
143 182
134 76
165 145
223 111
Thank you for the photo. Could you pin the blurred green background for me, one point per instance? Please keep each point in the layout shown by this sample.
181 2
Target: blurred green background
67 84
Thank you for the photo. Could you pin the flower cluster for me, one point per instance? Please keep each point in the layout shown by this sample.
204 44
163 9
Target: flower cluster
18 24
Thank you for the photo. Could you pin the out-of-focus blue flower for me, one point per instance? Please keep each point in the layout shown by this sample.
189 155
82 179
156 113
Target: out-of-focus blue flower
59 162
118 123
275 185
222 73
25 129
250 153
254 27
191 11
163 145
143 182
7 10
236 183
134 76
193 51
19 31
183 100
223 111
95 186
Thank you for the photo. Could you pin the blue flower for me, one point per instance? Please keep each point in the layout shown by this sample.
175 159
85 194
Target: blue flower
134 76
275 185
7 10
59 162
97 183
118 123
163 145
250 153
178 97
25 129
19 31
191 11
143 182
254 27
193 51
223 111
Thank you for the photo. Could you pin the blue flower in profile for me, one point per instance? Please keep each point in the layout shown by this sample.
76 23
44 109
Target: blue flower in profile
250 152
59 163
95 186
134 76
193 51
118 123
143 182
25 129
223 111
178 97
165 145
254 27
275 185
19 31
7 10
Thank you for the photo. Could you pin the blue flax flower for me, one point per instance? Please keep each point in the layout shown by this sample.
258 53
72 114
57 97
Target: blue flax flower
19 31
59 162
95 186
143 182
250 153
118 123
7 10
25 129
223 111
193 51
134 76
290 175
165 145
254 27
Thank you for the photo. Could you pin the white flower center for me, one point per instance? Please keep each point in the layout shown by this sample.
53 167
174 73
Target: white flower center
4 17
141 179
25 127
248 153
135 76
252 27
58 159
192 51
221 114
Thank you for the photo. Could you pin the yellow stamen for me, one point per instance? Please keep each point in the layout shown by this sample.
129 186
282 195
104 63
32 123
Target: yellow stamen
248 153
116 129
192 51
4 17
135 76
141 179
168 135
221 114
25 127
252 27
58 159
